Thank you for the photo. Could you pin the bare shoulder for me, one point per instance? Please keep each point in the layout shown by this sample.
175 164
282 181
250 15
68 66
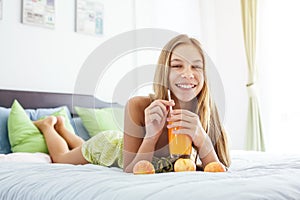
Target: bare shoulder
139 101
135 108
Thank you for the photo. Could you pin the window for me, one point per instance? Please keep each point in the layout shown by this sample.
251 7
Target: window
279 73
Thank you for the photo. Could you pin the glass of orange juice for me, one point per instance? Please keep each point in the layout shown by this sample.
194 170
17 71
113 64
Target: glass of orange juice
180 145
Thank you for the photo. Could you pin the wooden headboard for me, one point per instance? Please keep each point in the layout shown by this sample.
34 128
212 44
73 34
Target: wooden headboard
32 99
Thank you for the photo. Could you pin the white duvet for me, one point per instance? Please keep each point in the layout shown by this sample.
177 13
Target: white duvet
253 175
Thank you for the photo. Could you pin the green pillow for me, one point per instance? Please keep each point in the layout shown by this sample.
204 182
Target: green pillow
103 119
24 136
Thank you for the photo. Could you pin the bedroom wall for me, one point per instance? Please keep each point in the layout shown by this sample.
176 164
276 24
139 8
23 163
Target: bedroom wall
33 58
232 66
165 17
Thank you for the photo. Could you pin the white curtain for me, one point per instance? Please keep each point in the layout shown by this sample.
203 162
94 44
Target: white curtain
255 137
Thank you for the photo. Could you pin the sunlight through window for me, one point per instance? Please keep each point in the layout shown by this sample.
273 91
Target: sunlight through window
279 65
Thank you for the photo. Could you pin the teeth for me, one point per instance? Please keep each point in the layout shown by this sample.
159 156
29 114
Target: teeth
185 86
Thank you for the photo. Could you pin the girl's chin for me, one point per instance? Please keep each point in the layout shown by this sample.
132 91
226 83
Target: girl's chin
185 99
185 96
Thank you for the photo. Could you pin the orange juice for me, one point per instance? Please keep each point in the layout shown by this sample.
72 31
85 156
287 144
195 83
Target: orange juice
179 144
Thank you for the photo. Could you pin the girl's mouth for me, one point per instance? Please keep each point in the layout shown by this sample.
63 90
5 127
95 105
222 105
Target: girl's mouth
185 85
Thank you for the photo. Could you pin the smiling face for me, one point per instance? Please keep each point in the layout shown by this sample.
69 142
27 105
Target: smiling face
186 73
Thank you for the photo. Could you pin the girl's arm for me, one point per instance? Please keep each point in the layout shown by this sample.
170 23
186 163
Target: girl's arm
136 150
206 149
144 122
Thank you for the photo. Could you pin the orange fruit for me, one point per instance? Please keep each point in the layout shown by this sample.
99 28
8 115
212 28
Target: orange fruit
143 167
184 164
214 167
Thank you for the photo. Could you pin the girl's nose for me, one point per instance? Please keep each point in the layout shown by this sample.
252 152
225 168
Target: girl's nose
190 76
187 74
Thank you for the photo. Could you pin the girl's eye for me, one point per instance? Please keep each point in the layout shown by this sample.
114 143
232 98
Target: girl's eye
176 66
197 67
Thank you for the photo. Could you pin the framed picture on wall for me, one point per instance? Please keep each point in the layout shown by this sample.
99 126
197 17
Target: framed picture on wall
39 13
89 17
1 5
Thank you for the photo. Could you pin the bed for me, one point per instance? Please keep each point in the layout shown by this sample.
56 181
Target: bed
253 175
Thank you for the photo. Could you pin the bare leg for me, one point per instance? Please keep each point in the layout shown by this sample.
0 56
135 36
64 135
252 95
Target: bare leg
57 146
72 139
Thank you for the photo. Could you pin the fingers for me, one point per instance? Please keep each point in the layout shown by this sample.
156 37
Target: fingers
165 102
187 113
156 117
157 110
156 113
181 124
187 121
184 116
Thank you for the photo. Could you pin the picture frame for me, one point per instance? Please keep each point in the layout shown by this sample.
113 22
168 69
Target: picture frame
89 17
39 13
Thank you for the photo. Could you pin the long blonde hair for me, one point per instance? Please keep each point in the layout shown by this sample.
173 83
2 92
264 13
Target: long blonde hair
206 108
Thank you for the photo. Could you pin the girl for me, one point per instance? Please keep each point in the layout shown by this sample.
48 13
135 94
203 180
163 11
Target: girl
181 68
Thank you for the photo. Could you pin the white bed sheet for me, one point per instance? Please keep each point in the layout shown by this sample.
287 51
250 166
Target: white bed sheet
253 175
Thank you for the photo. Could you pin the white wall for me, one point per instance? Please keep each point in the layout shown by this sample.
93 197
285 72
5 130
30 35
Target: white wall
175 15
33 58
231 63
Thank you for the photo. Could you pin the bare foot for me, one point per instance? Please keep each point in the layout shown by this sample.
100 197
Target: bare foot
46 123
60 124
